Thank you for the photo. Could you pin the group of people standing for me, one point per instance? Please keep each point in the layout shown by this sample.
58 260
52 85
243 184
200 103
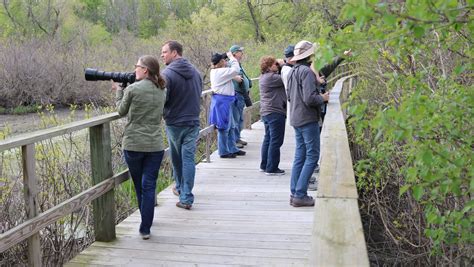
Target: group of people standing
175 96
305 92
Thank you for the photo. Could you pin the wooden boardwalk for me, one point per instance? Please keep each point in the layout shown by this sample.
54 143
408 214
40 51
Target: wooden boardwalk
240 217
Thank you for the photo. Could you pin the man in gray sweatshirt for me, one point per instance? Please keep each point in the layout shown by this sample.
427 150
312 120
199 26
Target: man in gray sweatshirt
305 110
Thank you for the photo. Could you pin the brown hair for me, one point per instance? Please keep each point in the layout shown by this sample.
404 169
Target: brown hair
153 66
175 46
266 63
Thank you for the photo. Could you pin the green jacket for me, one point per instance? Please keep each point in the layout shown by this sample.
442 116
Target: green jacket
143 103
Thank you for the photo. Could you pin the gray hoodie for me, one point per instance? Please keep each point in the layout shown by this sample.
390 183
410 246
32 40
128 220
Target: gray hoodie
183 96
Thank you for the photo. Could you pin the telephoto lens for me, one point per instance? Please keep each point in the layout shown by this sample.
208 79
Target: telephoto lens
118 77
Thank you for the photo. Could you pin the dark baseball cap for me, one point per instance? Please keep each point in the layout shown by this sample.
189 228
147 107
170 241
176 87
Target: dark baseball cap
216 57
289 51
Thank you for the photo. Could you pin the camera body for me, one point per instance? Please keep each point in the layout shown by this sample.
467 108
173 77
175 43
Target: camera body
118 77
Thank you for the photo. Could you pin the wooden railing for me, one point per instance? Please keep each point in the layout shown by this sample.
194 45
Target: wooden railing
338 237
101 194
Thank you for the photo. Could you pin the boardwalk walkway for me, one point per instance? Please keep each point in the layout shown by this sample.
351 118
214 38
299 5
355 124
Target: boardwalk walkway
240 217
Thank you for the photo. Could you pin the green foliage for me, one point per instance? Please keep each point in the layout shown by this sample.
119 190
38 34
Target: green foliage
20 110
411 114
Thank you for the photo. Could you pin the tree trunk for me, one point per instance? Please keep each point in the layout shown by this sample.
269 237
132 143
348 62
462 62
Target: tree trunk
258 34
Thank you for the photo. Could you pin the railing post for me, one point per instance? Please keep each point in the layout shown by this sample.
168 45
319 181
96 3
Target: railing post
101 166
30 192
248 118
208 148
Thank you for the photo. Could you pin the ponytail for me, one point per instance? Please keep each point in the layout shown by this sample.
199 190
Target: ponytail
153 66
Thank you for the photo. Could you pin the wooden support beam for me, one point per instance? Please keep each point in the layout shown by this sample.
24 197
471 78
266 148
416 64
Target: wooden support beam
30 192
101 165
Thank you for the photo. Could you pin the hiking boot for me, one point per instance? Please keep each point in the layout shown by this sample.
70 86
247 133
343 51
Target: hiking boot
238 145
175 191
183 206
278 172
240 153
228 156
305 201
313 184
242 142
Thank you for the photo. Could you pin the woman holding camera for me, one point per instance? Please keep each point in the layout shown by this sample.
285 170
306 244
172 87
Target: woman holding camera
142 102
221 104
273 112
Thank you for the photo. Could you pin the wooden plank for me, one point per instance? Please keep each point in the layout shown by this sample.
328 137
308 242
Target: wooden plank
101 166
232 243
117 256
338 239
336 172
30 193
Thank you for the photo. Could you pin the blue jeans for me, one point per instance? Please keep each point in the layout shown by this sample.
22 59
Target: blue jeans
306 158
238 115
143 167
182 142
273 140
226 139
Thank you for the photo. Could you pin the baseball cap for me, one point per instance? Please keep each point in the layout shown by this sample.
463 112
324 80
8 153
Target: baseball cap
235 48
216 57
288 52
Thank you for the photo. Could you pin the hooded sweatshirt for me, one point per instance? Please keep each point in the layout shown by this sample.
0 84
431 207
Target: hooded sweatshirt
304 96
183 98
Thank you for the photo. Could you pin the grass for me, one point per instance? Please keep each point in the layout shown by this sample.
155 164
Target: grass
18 110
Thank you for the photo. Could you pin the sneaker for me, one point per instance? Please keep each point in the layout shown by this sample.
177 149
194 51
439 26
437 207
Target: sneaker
313 184
238 145
242 142
183 206
316 170
291 200
175 191
240 153
145 236
278 172
261 170
228 156
305 201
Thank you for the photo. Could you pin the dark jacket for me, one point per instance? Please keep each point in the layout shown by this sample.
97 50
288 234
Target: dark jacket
329 68
304 97
272 94
245 85
183 96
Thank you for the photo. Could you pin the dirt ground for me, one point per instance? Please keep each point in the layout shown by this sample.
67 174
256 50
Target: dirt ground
19 124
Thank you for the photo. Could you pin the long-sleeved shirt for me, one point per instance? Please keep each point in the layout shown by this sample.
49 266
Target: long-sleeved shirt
272 94
303 95
221 78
